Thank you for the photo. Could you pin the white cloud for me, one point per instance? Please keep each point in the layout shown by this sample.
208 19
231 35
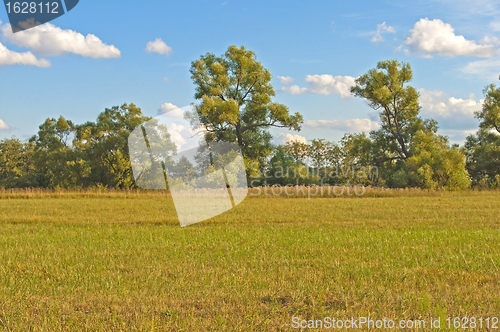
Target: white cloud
450 112
176 134
9 58
3 125
171 110
295 90
49 40
182 135
488 69
158 46
490 40
382 28
324 85
437 103
287 137
285 80
353 125
436 37
457 134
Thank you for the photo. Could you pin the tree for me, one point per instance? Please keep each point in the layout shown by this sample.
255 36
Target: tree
104 145
407 149
483 158
319 151
235 93
182 169
385 90
357 149
66 155
17 160
483 148
54 153
434 164
489 116
298 150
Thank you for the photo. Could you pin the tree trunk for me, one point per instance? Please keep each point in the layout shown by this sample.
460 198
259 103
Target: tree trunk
238 134
403 147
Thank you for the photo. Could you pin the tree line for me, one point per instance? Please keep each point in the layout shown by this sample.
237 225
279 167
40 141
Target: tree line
235 104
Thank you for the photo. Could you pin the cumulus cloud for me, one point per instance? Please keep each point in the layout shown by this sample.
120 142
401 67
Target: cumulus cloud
295 90
158 46
451 112
3 125
435 102
353 125
436 37
183 136
49 40
171 110
177 134
285 80
382 28
287 137
9 58
324 85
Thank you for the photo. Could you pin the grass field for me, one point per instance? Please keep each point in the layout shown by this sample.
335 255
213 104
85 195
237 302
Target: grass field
121 262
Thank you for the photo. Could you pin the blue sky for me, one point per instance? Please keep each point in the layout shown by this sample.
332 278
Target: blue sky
313 49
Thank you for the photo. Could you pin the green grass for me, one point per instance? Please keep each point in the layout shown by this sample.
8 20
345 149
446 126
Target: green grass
121 262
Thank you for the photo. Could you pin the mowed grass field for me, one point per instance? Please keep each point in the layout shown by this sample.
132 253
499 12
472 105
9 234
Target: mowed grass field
122 263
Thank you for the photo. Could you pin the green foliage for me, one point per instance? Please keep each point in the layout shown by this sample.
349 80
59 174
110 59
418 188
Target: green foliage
56 163
321 152
17 164
235 105
235 93
283 169
483 157
356 149
319 163
297 150
434 164
483 148
406 148
104 145
65 155
384 89
489 116
183 169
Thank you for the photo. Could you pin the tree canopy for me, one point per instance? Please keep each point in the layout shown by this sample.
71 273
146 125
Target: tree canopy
236 104
489 115
385 91
483 148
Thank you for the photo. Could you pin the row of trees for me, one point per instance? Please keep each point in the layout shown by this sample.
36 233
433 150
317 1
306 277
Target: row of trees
63 154
405 152
235 104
